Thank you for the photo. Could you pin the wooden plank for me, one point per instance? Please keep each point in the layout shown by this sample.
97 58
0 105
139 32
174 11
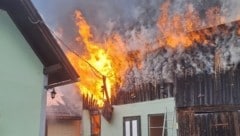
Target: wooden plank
184 123
195 91
180 95
208 124
223 87
207 89
235 91
231 85
237 87
197 126
212 88
200 96
205 109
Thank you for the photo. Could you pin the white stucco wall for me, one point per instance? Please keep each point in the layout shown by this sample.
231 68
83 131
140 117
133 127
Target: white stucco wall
86 127
142 109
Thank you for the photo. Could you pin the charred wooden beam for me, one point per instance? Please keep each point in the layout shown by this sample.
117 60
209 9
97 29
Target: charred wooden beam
207 109
107 111
105 89
145 92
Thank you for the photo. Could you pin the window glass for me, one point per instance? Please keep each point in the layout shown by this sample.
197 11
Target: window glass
134 128
127 128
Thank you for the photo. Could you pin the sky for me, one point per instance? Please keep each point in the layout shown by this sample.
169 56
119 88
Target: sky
124 14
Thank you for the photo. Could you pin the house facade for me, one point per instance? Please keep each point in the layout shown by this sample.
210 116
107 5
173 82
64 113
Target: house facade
135 119
203 105
142 119
194 104
22 82
31 63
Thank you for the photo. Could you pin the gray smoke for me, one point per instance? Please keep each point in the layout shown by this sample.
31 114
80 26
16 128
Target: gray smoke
136 22
67 102
164 65
231 10
126 14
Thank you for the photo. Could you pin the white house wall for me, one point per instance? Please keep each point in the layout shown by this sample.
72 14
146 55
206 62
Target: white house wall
21 83
143 109
86 127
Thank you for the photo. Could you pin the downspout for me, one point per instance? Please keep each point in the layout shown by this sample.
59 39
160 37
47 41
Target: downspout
43 108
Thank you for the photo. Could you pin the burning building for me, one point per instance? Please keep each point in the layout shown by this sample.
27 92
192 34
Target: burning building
31 63
177 75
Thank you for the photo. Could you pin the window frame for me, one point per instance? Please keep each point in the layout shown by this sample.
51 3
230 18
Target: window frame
92 125
132 118
151 115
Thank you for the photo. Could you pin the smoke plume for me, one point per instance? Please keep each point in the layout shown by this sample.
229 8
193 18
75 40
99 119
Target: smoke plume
137 21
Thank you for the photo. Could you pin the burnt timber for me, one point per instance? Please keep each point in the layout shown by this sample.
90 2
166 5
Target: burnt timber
206 90
207 104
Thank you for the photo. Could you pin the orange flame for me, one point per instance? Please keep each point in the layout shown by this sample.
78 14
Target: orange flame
111 59
177 30
100 59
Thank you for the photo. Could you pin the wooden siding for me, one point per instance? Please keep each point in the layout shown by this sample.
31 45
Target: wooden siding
144 92
208 89
221 123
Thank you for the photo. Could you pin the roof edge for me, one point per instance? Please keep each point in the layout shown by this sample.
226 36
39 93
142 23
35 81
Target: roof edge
33 14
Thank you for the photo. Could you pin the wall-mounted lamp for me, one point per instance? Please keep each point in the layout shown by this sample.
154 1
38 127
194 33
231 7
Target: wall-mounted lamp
53 93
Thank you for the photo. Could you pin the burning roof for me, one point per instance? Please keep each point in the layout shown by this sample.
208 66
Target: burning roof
175 45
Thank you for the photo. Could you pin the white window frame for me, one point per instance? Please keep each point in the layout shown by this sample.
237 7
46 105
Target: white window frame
134 126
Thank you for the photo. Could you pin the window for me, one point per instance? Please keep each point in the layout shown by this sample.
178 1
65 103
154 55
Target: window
155 124
131 126
95 123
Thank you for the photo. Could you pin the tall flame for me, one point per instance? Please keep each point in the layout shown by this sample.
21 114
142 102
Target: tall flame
108 59
177 29
111 59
